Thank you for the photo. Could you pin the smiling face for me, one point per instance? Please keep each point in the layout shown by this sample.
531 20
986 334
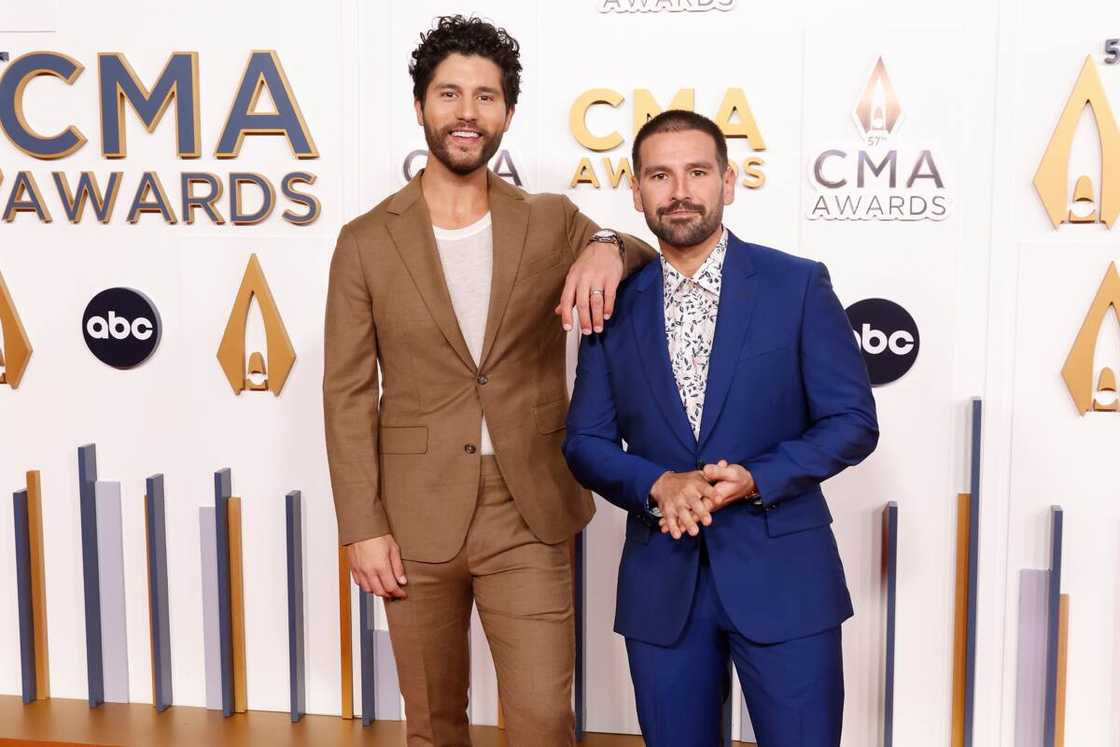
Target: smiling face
464 112
682 188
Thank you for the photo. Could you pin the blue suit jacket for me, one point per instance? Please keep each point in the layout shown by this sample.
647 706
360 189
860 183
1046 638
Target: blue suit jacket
788 398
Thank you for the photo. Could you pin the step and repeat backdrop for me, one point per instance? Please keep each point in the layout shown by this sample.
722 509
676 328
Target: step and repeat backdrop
171 186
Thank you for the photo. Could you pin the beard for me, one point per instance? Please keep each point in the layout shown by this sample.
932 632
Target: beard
456 161
682 231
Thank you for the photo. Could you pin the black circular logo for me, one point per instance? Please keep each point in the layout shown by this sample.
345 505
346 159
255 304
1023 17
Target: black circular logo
121 327
887 336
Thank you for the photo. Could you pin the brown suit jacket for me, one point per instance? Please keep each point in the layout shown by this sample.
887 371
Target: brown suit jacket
409 464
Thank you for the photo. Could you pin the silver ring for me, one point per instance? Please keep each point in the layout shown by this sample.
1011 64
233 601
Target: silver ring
596 290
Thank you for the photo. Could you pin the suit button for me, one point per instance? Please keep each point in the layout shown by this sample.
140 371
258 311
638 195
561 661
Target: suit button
700 465
470 448
482 379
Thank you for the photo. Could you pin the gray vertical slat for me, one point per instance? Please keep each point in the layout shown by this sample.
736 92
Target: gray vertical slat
157 591
1030 686
890 552
746 728
365 641
1053 604
579 572
87 476
110 576
387 687
973 573
211 637
222 493
296 664
725 728
23 595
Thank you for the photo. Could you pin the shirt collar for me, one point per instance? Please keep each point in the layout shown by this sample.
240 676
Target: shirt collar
707 277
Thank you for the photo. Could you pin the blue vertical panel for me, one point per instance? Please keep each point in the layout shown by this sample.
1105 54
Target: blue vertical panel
1053 602
87 476
386 684
890 558
23 595
579 582
211 637
156 531
296 665
222 493
973 573
365 641
110 575
1030 671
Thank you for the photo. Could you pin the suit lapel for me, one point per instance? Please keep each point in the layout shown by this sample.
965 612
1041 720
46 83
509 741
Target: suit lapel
737 299
649 332
509 218
415 242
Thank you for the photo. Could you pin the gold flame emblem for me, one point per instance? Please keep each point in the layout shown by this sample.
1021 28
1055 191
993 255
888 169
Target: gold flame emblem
15 348
1078 370
258 372
1052 180
878 111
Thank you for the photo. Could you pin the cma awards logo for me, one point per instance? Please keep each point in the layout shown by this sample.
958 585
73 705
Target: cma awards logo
1069 200
121 91
502 165
257 372
15 347
1092 390
733 116
882 180
663 6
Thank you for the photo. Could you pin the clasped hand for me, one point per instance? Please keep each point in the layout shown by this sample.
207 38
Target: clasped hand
687 500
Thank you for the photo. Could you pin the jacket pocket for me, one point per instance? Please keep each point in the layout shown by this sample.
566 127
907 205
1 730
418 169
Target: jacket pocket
550 418
798 514
412 440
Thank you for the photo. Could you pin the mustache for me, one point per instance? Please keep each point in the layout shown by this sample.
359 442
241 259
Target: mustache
678 205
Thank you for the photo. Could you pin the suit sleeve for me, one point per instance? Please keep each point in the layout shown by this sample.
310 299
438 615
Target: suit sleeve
350 396
593 445
843 428
636 255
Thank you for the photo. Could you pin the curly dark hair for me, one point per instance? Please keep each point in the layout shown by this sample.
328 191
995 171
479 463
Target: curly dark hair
467 36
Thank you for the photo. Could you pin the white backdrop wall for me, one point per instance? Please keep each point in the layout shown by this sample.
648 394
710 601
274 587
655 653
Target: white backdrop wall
997 292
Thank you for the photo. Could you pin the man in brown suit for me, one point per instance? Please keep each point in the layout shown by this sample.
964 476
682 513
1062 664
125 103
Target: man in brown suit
453 489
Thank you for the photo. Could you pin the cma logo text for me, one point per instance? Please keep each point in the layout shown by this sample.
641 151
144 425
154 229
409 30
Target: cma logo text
733 116
663 6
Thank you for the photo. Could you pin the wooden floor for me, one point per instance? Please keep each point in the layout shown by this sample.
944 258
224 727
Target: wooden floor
73 722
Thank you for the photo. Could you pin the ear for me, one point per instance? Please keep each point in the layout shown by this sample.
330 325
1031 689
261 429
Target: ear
637 193
729 178
419 106
509 118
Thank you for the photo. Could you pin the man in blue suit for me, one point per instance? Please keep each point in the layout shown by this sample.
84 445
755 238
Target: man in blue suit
732 375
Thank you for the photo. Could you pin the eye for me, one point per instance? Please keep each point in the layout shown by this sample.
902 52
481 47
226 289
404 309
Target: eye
699 172
659 176
486 97
448 94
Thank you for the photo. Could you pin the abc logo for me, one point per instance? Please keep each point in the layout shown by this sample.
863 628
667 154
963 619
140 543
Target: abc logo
121 327
887 336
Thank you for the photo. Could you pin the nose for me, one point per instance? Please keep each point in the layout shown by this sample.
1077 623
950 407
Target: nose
468 109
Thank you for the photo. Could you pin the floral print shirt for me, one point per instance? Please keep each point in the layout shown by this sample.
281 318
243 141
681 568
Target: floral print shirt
691 307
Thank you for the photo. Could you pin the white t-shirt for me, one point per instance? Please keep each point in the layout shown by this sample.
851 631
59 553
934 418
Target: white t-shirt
467 255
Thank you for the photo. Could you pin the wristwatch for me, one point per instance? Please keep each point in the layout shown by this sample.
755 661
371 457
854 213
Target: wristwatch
607 236
652 508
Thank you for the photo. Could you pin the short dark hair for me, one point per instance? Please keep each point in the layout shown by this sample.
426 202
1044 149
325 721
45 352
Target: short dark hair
467 36
679 120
